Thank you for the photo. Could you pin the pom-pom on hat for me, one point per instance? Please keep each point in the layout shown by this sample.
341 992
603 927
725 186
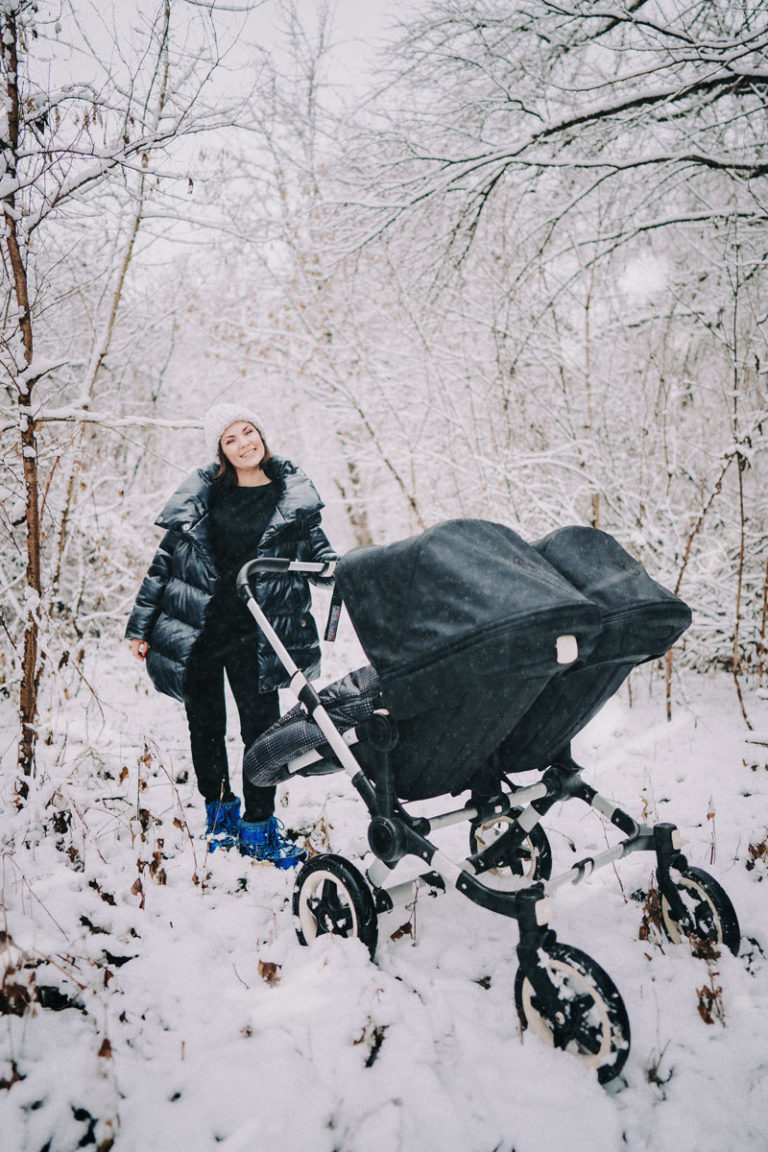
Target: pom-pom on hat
219 417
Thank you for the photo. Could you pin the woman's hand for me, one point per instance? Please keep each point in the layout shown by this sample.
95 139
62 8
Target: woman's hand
139 648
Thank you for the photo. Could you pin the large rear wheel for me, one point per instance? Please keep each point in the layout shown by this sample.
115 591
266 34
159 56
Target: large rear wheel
581 1011
331 897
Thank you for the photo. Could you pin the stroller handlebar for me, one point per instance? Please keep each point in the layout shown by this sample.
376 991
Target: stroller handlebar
281 564
324 568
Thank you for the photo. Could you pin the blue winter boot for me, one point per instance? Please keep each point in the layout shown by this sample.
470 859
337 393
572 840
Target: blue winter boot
264 840
222 818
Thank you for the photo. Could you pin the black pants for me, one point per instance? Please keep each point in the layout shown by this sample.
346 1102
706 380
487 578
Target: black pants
205 703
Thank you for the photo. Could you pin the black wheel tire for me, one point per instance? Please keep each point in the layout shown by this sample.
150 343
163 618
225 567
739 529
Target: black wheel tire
712 917
591 1019
331 896
533 858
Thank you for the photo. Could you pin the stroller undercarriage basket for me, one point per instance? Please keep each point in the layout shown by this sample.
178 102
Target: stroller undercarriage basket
487 656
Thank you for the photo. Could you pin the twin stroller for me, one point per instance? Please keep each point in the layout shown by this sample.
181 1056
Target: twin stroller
487 656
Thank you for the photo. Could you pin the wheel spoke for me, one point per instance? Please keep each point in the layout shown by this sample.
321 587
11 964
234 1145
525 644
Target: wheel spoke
578 1027
331 913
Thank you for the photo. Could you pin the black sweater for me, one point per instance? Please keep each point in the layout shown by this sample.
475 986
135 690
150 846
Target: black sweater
238 519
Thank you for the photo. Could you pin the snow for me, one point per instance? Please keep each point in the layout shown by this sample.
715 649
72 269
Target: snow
40 366
644 278
8 186
190 1018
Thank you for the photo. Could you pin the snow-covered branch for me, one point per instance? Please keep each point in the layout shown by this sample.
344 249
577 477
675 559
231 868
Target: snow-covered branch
75 415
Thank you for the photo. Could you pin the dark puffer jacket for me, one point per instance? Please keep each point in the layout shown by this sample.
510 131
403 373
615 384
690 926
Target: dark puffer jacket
174 598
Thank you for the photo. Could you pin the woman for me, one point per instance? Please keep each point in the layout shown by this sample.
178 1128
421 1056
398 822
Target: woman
190 626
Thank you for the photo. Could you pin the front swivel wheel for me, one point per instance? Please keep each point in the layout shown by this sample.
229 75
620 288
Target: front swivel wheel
572 1003
703 911
331 897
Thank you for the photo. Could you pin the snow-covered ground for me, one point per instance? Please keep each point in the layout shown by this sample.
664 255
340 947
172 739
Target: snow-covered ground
172 1007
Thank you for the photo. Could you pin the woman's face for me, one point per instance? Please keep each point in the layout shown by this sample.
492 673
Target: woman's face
243 447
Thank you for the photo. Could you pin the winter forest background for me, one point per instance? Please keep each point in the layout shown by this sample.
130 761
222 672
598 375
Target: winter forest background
499 260
515 267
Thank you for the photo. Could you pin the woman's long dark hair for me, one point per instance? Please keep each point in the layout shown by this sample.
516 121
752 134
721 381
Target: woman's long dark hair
226 475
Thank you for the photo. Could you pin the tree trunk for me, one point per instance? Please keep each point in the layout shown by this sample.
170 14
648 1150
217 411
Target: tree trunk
16 249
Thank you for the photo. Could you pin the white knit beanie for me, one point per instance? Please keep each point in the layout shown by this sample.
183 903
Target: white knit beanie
219 417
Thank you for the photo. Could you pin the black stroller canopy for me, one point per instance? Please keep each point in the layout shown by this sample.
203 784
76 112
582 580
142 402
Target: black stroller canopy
466 599
639 618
